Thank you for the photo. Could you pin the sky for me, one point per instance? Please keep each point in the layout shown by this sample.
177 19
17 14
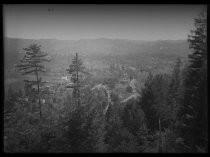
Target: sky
74 22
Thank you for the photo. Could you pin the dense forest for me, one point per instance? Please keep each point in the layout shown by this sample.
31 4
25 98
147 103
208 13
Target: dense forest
123 108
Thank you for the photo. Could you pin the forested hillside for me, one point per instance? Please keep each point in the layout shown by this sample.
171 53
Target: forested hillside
97 55
106 95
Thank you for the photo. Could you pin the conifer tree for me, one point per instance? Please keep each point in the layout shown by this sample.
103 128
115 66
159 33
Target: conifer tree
75 69
31 63
174 93
194 107
77 133
147 100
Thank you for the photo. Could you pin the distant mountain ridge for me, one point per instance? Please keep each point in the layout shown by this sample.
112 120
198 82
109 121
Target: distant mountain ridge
13 47
91 44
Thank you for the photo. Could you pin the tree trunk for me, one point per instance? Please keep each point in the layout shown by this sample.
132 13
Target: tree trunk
160 138
37 78
77 75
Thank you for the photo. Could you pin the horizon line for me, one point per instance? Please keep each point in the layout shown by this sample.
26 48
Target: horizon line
94 39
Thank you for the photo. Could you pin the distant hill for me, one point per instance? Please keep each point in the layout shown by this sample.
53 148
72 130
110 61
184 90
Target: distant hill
96 48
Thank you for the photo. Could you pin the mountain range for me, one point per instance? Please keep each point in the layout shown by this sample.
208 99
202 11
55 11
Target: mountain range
96 48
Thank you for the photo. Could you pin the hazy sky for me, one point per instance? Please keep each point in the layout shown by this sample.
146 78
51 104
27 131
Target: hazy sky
144 22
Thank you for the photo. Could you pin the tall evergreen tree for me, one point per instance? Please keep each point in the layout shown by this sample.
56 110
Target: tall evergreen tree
174 93
147 100
76 133
194 109
32 64
75 69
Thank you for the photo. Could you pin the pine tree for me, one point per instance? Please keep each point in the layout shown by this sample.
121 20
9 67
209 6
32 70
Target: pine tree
147 100
32 64
174 93
194 109
76 133
75 69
